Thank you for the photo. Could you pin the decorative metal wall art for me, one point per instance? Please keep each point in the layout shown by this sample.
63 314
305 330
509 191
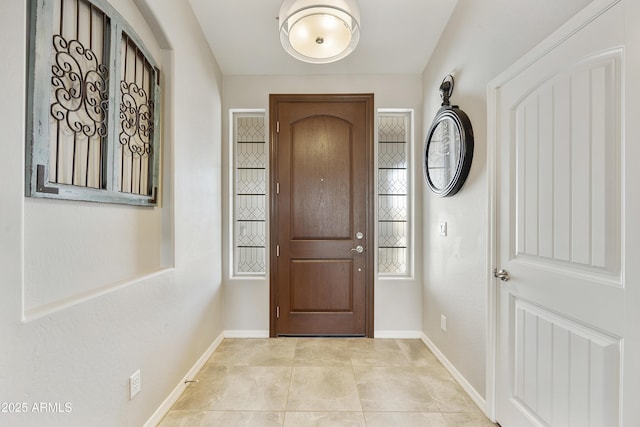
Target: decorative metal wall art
93 106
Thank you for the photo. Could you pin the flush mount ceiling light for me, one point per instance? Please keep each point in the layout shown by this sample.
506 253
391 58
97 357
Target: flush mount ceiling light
319 31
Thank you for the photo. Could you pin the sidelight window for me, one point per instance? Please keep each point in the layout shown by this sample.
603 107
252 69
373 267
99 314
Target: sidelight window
250 157
93 104
394 142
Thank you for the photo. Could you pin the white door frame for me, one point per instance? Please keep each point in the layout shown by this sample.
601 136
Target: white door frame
581 19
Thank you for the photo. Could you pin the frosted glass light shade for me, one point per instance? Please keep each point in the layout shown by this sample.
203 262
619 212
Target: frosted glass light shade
319 33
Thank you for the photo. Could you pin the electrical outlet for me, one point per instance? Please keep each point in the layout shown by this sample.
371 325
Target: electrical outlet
443 323
134 384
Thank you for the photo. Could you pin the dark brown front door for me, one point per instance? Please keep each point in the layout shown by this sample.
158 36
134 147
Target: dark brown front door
321 211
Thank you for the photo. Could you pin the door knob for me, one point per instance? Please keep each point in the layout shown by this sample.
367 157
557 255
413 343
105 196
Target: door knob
502 275
358 249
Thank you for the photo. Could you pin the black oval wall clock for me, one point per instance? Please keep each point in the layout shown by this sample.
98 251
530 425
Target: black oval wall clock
449 146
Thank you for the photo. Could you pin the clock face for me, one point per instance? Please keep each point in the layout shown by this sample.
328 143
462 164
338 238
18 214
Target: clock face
448 152
443 153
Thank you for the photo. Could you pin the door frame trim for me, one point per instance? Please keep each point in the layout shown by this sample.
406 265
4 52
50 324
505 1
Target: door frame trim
557 37
368 99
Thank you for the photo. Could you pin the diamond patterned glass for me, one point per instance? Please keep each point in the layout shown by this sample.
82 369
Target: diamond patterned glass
392 208
393 189
392 261
250 155
251 181
250 188
392 181
250 260
392 234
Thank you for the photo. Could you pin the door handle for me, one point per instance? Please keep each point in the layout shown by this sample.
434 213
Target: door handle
358 249
502 275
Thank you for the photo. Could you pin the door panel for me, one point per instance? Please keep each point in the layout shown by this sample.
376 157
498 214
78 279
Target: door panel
559 216
568 170
319 285
322 166
321 155
564 373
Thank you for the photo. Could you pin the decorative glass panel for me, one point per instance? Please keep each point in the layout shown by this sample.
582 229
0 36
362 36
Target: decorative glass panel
250 188
393 190
392 260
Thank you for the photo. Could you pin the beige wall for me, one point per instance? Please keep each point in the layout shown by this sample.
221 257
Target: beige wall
90 293
481 40
397 302
80 343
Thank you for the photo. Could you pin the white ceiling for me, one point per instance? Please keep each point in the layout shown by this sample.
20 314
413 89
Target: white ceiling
396 37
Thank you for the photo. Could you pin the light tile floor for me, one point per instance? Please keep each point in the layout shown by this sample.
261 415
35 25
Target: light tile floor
324 382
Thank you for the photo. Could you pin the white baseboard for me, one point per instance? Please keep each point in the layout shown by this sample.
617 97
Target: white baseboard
157 416
376 334
475 396
398 334
246 334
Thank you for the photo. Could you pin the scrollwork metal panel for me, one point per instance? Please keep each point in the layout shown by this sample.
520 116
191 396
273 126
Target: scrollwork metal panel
79 94
136 119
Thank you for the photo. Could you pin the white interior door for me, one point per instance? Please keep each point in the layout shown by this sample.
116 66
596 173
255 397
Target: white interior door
561 316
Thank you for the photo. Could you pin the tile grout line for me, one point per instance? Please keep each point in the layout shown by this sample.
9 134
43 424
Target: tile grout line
355 378
286 403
